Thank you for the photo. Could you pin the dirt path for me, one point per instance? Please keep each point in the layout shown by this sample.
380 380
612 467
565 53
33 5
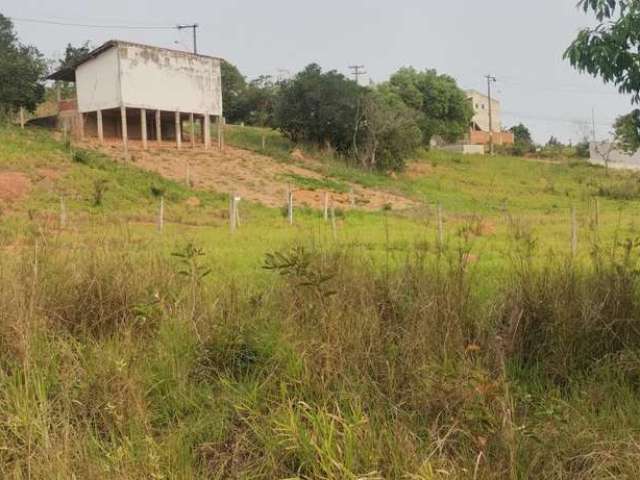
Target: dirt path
253 177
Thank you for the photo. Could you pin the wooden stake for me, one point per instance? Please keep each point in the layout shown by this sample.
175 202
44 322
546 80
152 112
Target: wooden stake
22 117
290 206
188 176
161 215
333 222
233 216
352 198
264 142
574 233
63 213
326 206
440 227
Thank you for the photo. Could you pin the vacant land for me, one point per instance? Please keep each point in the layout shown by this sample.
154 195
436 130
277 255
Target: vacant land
500 342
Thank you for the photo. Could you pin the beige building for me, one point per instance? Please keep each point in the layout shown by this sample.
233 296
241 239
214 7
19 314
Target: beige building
480 123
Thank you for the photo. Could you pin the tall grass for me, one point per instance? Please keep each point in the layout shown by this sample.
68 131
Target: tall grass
118 362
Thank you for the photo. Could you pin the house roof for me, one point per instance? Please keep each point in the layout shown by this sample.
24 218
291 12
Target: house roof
68 74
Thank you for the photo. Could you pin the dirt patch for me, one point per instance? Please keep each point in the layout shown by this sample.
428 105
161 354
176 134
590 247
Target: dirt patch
418 169
256 178
13 186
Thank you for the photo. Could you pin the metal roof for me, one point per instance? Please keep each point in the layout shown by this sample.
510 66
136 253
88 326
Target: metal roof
68 74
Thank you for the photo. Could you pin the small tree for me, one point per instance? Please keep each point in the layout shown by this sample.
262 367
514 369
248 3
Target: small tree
390 131
627 131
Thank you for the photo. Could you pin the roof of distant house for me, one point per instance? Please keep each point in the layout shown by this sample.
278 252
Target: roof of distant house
68 74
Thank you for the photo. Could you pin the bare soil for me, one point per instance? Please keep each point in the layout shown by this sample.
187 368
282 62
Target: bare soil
252 176
14 186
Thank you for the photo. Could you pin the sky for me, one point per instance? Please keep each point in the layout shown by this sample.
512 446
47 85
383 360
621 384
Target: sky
520 42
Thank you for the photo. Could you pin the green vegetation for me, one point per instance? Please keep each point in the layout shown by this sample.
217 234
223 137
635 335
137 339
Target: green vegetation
281 352
22 68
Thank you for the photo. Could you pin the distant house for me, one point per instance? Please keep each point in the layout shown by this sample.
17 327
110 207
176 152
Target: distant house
480 131
129 91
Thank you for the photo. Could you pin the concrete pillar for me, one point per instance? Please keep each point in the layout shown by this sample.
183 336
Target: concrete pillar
219 125
143 127
178 130
100 127
158 126
125 135
206 127
193 130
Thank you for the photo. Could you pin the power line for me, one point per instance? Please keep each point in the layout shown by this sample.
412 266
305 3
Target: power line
92 25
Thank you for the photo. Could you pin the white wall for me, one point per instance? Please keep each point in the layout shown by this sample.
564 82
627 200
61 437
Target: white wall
618 159
97 82
159 79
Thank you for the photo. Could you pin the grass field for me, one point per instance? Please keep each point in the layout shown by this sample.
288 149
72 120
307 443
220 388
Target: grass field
288 351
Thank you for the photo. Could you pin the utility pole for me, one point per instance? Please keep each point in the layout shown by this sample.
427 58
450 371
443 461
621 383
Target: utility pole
490 79
357 71
194 27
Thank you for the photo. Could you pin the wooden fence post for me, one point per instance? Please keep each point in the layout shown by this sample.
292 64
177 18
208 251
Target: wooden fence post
63 213
290 206
326 206
574 232
264 142
161 215
333 222
440 227
233 216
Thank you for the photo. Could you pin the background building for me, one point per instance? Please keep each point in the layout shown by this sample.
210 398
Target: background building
480 131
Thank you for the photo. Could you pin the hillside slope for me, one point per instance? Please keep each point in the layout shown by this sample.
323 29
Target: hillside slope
401 344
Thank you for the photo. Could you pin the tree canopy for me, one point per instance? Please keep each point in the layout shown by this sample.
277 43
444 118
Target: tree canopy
22 70
443 107
521 134
611 49
319 107
627 131
74 55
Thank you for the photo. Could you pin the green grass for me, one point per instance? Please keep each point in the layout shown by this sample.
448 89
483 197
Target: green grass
377 353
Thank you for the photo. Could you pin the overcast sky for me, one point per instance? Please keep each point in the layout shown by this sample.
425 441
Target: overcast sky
519 41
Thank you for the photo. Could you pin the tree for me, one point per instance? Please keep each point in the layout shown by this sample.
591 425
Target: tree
234 87
319 107
390 132
627 131
611 49
443 107
521 134
74 55
554 142
22 70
